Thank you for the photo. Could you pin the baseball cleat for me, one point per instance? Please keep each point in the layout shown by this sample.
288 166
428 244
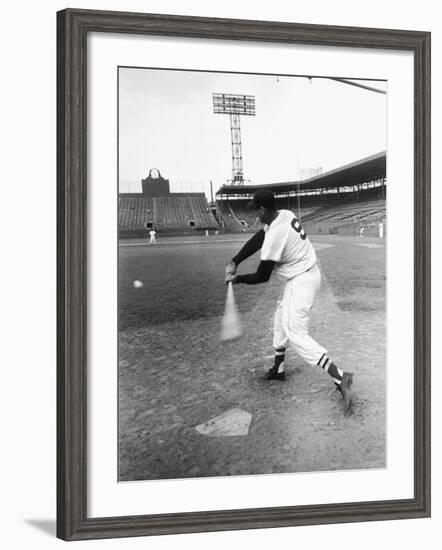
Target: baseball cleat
344 388
272 374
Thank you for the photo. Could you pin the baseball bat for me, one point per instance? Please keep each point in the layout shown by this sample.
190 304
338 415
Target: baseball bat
231 322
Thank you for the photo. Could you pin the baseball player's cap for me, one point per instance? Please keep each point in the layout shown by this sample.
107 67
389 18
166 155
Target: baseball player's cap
263 197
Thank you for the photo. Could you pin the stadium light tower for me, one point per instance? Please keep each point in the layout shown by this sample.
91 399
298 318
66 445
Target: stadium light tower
235 106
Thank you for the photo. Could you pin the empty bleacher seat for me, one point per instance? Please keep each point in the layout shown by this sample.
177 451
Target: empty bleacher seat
167 213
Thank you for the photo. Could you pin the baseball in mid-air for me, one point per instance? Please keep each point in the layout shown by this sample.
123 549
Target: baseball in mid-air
138 284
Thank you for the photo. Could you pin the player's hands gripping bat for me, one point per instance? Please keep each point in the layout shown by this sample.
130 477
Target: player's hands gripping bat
231 322
230 273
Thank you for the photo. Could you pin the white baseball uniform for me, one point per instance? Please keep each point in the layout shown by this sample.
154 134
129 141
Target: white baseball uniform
287 244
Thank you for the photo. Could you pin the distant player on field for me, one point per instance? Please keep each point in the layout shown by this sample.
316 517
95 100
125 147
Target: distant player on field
286 249
153 236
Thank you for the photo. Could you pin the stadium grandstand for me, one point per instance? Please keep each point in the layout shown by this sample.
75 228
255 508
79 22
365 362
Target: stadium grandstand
339 201
168 213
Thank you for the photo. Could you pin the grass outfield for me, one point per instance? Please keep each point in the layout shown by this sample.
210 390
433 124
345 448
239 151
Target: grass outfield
175 373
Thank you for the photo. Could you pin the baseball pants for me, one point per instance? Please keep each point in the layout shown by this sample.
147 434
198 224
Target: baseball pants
292 316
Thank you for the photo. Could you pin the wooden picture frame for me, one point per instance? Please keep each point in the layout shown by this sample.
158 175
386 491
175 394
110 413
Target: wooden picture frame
73 27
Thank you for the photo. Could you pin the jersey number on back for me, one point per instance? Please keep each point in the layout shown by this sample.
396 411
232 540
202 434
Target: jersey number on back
299 229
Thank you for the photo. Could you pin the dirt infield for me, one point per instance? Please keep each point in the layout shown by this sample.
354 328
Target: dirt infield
175 374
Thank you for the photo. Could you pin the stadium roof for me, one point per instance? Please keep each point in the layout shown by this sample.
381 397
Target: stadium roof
367 169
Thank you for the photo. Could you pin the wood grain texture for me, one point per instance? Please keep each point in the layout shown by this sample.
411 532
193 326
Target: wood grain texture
422 272
72 280
72 29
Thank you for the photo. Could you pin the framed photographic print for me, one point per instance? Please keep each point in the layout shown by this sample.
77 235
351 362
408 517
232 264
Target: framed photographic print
243 274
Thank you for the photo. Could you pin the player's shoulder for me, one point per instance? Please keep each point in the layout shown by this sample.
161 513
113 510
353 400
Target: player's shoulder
286 213
280 224
285 216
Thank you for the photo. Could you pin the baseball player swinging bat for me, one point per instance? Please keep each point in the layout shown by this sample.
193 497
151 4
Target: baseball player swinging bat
287 251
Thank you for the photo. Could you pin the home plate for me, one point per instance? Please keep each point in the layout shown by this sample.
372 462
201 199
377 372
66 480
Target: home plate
230 423
372 245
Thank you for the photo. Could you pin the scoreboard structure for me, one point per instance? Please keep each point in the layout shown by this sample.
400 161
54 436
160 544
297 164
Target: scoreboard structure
235 106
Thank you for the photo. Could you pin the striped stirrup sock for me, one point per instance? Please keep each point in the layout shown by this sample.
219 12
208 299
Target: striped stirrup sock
278 364
326 364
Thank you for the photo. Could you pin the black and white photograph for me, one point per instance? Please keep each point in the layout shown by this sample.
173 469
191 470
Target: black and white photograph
251 273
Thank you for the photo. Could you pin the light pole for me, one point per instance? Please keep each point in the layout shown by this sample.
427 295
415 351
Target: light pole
235 106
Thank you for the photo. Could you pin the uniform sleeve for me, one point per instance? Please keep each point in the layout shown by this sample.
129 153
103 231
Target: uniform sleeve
262 274
250 247
273 246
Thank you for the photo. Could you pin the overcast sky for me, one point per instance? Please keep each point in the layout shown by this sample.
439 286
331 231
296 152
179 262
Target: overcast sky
166 121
